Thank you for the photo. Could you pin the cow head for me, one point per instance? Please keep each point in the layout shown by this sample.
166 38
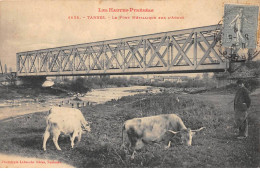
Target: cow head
86 127
186 135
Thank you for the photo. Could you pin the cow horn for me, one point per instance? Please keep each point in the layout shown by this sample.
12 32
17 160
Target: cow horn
198 129
172 132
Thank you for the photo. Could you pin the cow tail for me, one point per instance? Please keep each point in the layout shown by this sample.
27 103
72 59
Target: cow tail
123 136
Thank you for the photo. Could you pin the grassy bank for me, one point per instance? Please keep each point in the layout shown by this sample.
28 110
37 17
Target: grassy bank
214 147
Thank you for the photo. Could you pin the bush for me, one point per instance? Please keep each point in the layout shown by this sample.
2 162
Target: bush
252 84
78 86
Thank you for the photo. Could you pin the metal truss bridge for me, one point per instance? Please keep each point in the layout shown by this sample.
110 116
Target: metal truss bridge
181 51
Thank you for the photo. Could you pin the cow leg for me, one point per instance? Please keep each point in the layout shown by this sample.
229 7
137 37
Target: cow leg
133 155
55 138
73 138
45 139
79 136
139 144
169 145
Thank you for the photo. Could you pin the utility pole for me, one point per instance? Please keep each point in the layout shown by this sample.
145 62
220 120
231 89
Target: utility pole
1 68
5 69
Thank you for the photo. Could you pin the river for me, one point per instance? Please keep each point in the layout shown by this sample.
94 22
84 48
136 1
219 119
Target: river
18 107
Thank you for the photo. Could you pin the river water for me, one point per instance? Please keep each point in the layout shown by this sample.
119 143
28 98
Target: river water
18 107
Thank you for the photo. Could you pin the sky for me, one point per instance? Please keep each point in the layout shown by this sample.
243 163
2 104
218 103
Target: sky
31 25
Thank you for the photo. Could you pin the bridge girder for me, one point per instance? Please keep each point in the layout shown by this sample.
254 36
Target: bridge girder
165 52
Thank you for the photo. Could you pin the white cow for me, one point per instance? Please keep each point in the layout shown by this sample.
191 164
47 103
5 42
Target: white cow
138 131
68 121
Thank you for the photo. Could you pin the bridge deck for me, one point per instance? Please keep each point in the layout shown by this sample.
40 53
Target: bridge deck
188 50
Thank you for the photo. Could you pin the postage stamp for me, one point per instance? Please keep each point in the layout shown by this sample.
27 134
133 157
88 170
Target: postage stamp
240 26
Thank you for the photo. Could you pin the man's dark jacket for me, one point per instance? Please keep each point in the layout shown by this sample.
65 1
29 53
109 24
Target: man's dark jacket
242 96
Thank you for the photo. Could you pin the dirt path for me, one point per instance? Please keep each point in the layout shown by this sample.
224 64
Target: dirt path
8 112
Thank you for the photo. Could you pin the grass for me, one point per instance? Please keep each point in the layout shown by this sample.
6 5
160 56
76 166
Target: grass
214 147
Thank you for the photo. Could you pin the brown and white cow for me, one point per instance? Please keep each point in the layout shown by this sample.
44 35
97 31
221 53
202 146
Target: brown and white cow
138 131
68 121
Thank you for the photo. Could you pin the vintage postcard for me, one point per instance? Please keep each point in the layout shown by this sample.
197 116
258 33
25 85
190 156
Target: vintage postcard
129 84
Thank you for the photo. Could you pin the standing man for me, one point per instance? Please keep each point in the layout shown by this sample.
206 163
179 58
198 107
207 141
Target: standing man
242 102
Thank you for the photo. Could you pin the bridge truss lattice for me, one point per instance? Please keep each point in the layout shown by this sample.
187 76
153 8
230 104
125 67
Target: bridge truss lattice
182 51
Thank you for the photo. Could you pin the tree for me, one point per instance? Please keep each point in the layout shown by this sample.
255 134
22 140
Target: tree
205 76
5 68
